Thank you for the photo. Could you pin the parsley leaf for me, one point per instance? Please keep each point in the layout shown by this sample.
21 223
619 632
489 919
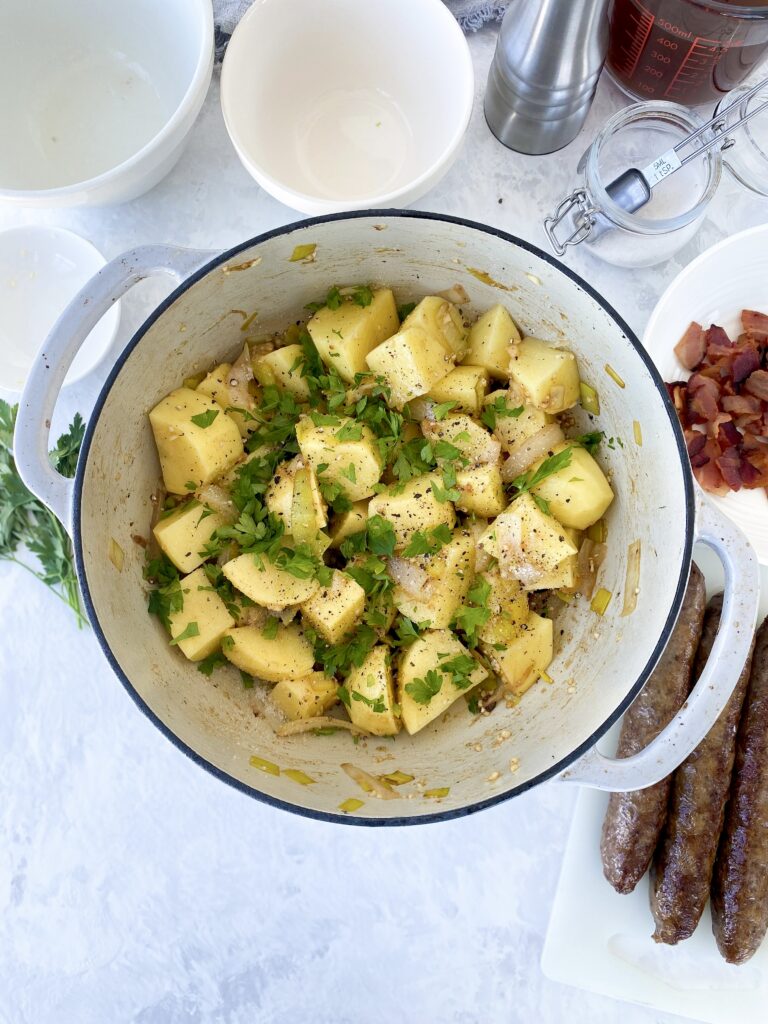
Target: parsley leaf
527 481
590 441
428 544
207 665
423 690
375 704
407 631
474 613
405 310
497 409
269 632
380 536
191 629
441 411
460 670
205 419
362 295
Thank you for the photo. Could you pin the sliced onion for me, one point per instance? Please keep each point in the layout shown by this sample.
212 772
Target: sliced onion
422 408
532 449
252 615
632 582
410 577
238 379
457 294
321 722
591 557
217 499
369 783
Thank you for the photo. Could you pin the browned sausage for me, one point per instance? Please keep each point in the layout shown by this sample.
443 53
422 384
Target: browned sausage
634 820
740 882
681 872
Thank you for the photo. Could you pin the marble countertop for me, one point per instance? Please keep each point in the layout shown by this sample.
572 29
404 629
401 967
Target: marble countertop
135 887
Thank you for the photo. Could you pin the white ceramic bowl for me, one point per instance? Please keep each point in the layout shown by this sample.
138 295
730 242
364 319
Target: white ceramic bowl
600 664
713 289
41 270
347 105
99 96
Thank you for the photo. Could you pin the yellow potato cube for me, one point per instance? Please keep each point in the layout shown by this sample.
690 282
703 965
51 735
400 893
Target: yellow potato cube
525 656
216 386
562 577
423 669
203 618
512 430
346 335
335 610
579 494
183 533
442 321
473 441
267 584
411 362
507 599
282 368
288 655
196 441
481 490
371 694
412 508
527 543
305 698
489 341
465 386
452 570
346 523
548 377
347 450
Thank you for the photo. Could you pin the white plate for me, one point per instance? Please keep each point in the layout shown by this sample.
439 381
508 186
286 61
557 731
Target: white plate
714 288
600 941
41 271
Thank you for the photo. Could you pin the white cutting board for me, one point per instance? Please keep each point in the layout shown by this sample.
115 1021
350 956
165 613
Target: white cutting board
600 941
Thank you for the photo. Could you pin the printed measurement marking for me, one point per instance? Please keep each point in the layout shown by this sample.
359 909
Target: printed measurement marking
645 22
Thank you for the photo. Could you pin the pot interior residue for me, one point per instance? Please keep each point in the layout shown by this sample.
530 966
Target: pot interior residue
600 661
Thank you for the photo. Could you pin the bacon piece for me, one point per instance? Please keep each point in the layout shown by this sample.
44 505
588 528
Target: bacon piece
744 363
729 465
742 405
692 347
703 398
728 434
755 323
757 384
695 442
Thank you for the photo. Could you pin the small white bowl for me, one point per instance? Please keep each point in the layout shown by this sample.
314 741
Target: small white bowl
99 96
41 271
346 105
713 289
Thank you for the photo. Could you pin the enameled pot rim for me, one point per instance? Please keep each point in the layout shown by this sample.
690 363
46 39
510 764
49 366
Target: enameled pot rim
479 805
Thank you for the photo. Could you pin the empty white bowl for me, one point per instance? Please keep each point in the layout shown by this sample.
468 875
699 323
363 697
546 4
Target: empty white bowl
99 95
41 271
339 105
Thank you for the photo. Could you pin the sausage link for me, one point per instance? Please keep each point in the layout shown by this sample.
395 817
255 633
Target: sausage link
740 882
634 820
681 872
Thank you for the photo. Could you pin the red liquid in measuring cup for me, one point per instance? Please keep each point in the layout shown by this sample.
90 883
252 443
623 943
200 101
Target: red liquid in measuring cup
681 50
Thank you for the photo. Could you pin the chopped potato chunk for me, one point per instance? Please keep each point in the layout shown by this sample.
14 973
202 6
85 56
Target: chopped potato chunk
308 697
412 508
489 341
526 655
512 430
527 543
346 523
473 441
335 610
282 368
288 655
465 386
348 452
548 377
216 385
411 362
442 321
373 708
481 491
431 653
346 335
202 621
267 584
196 441
184 532
451 569
579 494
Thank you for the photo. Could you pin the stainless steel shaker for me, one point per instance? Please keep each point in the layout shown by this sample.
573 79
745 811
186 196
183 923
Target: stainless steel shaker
544 73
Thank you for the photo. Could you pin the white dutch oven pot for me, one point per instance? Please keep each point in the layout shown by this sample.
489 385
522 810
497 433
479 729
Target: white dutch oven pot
601 663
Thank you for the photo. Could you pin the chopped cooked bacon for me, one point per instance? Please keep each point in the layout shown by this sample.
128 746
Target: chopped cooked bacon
692 347
723 407
757 384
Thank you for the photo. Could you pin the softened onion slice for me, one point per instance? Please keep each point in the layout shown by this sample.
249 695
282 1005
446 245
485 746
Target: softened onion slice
218 500
410 577
369 783
238 379
591 556
321 722
532 449
632 582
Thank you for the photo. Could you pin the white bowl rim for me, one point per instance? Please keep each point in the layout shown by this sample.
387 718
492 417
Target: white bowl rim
204 11
381 201
278 802
38 230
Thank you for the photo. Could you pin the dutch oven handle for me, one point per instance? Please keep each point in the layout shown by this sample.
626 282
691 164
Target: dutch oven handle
715 684
33 424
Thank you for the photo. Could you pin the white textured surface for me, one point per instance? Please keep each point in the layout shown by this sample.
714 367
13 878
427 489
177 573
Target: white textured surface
135 887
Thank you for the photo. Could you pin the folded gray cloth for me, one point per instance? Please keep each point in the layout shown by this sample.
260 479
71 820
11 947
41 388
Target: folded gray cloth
470 14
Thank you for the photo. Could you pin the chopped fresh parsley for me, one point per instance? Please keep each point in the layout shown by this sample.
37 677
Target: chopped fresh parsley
380 535
362 295
428 543
191 629
590 441
423 690
474 613
498 408
205 419
527 481
207 665
441 410
269 630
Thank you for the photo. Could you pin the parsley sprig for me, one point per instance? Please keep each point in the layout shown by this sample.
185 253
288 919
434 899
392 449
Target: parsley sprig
527 481
26 522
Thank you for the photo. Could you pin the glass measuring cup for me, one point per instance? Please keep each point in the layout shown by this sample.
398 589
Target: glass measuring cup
686 51
678 203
